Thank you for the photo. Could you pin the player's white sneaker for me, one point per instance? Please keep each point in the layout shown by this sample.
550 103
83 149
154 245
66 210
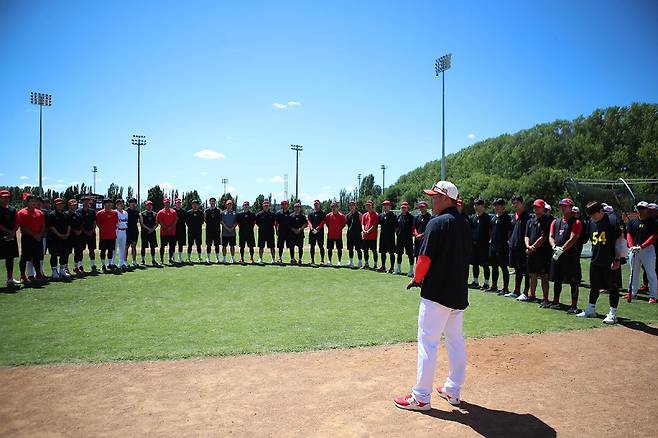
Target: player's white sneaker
587 313
512 295
328 264
610 319
64 273
522 297
349 264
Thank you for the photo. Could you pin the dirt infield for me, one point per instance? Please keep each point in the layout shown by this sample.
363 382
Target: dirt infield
588 383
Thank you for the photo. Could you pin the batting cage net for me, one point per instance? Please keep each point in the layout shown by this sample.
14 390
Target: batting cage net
621 194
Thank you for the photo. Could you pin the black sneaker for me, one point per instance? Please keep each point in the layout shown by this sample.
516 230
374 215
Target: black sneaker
555 306
104 270
491 289
502 292
474 285
544 305
94 268
573 310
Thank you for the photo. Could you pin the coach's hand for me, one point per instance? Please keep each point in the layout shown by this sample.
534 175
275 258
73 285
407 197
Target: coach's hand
412 283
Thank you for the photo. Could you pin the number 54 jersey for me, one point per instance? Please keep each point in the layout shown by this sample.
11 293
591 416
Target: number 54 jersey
603 235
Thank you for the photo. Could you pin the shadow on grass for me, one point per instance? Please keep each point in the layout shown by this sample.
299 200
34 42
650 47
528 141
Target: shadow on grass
494 423
638 325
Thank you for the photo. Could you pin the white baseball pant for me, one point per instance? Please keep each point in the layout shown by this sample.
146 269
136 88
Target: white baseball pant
121 244
435 320
646 258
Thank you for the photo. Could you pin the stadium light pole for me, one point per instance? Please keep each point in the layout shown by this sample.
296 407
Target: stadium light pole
94 170
41 99
139 141
383 177
297 148
441 65
224 181
358 188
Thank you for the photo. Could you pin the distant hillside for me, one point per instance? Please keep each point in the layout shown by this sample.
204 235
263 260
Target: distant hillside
608 144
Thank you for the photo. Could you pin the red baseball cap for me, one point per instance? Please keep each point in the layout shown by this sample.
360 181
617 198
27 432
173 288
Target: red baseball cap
297 204
229 201
179 200
404 204
539 203
422 204
148 203
4 193
566 201
386 202
334 204
317 201
369 202
266 202
167 200
72 202
58 201
351 203
284 202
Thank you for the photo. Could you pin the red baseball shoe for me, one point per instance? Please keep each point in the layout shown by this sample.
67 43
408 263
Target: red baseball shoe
450 399
652 301
629 297
409 403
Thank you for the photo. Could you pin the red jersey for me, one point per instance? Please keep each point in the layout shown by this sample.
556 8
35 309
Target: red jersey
167 218
335 224
33 220
107 223
370 219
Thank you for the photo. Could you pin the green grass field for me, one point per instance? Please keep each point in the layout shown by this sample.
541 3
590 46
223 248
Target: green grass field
199 310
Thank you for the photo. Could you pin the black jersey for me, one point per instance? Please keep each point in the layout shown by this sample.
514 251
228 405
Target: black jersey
75 220
265 221
246 221
213 218
641 230
58 220
481 227
538 228
180 223
194 219
501 226
88 217
7 218
519 225
298 221
283 219
353 222
148 218
316 218
405 226
420 222
388 222
133 219
604 235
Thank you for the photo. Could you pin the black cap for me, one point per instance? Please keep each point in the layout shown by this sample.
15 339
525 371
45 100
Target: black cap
106 200
213 199
478 201
132 200
195 201
499 201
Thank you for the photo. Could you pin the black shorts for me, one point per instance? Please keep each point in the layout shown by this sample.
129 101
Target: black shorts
480 255
518 259
88 242
417 245
31 249
284 240
167 240
566 269
247 240
338 243
193 238
386 244
180 238
539 263
604 278
149 240
213 239
369 245
314 238
8 249
354 242
405 246
296 240
266 240
58 247
107 244
131 236
499 256
228 240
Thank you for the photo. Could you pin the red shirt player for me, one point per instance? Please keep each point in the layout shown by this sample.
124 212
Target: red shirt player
32 223
335 221
167 218
107 220
369 222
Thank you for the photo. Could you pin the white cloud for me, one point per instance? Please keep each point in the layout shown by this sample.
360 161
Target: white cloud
290 104
260 180
294 103
166 186
278 105
23 177
203 173
276 179
208 154
471 136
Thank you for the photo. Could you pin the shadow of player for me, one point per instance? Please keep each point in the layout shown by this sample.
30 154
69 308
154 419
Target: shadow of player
493 423
638 325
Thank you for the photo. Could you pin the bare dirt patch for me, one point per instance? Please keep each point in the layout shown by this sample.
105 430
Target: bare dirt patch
588 383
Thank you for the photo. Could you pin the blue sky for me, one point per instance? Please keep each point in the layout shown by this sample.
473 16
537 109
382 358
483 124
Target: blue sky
353 82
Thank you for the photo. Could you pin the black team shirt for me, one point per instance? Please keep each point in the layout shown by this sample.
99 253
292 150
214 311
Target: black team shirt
59 220
194 220
265 221
641 230
88 217
481 226
283 219
180 224
8 217
353 221
405 227
519 225
316 218
213 221
501 226
246 221
388 222
148 218
420 222
133 220
298 221
448 244
537 228
603 235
